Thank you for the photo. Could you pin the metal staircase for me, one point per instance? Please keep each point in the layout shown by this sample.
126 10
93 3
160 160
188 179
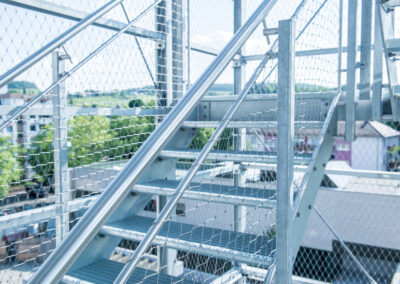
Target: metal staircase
117 214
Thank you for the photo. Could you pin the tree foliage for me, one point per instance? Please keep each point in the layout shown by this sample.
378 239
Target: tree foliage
10 166
225 142
92 139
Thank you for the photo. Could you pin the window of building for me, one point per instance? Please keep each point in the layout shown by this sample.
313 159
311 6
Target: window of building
343 147
180 209
10 129
33 127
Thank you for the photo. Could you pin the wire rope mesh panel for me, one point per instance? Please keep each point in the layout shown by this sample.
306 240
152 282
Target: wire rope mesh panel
219 224
64 149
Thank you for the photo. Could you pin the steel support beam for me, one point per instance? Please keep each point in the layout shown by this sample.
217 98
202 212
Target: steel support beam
386 19
164 97
61 177
303 53
351 71
285 151
378 67
239 177
311 184
365 55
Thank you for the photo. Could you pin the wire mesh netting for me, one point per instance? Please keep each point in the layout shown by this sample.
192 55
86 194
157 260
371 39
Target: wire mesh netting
63 151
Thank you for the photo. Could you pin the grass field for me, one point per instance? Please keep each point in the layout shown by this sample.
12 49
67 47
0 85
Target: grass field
108 100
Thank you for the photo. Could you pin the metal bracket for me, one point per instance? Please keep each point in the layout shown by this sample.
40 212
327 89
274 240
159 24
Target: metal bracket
268 32
361 65
271 31
204 111
160 45
66 55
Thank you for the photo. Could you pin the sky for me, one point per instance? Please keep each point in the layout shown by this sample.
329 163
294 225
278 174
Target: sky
120 65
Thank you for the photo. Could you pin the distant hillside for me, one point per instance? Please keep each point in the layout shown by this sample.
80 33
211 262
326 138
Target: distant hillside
24 87
271 88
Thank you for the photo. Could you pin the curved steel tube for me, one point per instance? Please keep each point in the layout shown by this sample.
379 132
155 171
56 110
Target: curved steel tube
57 42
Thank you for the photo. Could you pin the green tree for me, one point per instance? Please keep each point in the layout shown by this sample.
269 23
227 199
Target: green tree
128 134
225 141
10 167
41 155
89 136
136 103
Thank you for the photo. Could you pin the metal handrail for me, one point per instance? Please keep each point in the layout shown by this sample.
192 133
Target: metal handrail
184 183
55 43
53 269
20 110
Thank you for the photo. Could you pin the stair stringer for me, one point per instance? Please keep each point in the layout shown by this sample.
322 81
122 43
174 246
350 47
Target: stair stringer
162 168
305 200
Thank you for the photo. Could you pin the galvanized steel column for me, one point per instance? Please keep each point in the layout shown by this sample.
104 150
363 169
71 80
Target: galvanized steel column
351 71
284 192
365 54
239 133
61 177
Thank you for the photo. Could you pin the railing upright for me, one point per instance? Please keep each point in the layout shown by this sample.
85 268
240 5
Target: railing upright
61 178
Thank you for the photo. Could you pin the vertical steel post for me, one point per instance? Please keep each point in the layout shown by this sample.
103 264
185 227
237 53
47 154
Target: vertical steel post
239 134
174 83
161 56
387 25
351 71
188 42
177 29
161 91
340 46
61 178
365 50
378 67
284 193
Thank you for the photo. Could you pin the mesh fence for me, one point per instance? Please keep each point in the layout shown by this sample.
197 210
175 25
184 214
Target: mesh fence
64 150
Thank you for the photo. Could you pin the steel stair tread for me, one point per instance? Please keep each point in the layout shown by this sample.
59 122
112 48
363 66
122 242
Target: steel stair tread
249 196
230 245
248 124
235 156
105 271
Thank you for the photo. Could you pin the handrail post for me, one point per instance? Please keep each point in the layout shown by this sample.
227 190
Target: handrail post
284 192
61 178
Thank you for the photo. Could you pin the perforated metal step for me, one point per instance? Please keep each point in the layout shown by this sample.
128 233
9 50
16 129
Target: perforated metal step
223 244
105 271
248 196
234 156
